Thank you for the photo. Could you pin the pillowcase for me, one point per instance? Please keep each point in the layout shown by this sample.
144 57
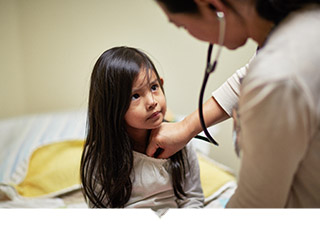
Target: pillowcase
53 170
213 176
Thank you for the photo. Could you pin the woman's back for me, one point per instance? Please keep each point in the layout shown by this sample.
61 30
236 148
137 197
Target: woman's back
280 112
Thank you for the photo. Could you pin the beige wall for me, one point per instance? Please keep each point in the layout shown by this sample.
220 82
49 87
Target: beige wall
12 90
48 49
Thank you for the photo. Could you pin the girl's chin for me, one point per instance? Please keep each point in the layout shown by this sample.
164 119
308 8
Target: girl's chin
156 125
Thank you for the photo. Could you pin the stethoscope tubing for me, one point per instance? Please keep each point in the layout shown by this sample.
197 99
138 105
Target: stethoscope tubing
209 69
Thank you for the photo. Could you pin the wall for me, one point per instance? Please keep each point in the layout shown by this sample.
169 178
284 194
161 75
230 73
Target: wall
12 92
48 49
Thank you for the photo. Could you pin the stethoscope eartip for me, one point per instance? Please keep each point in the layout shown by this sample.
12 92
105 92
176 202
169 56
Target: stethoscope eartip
220 15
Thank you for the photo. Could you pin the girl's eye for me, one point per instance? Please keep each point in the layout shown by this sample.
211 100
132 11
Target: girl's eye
135 96
154 87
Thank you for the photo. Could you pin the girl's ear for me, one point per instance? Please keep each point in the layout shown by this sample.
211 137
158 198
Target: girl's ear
161 81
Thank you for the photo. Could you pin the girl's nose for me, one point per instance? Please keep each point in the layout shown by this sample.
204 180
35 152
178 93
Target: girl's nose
151 102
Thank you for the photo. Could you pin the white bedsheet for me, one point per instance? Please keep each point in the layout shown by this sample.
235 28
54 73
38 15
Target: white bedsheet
22 135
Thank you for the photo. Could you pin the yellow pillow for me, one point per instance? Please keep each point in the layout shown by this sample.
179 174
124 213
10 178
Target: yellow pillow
53 169
212 177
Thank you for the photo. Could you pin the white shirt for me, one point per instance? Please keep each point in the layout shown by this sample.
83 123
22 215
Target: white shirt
227 95
152 185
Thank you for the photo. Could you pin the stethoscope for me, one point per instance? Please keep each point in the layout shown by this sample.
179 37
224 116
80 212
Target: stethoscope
210 69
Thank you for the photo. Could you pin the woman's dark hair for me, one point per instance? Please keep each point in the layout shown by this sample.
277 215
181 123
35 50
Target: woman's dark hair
277 10
185 6
180 6
107 159
272 10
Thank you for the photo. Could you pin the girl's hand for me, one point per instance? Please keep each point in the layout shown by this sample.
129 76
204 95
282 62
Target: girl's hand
169 137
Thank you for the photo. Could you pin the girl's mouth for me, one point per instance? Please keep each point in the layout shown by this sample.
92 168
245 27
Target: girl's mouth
154 115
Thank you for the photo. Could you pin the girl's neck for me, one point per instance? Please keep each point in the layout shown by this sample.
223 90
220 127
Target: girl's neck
140 139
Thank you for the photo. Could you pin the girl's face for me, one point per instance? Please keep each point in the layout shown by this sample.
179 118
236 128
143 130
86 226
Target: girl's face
148 104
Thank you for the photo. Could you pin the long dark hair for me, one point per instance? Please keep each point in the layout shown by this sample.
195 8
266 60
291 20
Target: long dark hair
107 159
272 10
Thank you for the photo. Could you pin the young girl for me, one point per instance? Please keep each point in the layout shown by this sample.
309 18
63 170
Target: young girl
126 101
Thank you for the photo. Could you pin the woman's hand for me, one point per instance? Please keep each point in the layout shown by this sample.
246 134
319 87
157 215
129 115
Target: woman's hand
169 137
172 137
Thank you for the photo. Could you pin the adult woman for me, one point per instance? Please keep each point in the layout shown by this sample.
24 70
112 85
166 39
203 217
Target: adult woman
278 114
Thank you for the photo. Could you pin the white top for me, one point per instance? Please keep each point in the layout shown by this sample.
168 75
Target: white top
152 185
279 118
227 95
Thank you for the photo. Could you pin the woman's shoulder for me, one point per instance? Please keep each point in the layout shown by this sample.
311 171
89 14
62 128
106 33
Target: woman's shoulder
291 42
289 52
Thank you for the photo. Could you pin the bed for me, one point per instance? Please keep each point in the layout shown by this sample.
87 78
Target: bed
40 158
